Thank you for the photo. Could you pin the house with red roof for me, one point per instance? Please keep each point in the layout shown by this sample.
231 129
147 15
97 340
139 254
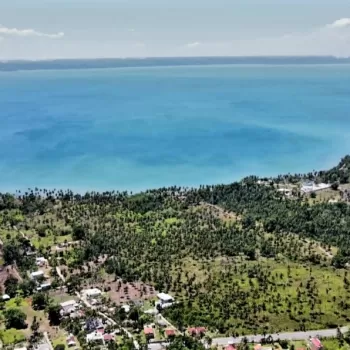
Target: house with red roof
170 333
230 347
149 332
197 331
108 337
71 340
315 344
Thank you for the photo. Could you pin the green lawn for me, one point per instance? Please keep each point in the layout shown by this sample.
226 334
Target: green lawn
11 336
61 339
249 297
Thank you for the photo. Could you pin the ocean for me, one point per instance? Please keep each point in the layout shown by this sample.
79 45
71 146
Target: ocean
147 127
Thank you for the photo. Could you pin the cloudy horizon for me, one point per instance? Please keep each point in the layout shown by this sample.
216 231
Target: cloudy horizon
192 28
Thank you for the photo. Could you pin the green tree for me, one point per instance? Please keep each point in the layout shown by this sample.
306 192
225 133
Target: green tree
15 318
35 325
40 301
60 347
11 253
11 285
54 314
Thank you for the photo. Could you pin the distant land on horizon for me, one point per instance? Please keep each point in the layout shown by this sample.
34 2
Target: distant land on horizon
14 65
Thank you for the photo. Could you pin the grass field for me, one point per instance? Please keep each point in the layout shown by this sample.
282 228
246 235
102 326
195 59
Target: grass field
248 297
333 344
11 336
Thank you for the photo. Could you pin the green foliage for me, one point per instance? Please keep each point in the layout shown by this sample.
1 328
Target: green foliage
60 347
40 301
15 318
53 311
11 285
11 336
27 287
185 343
238 241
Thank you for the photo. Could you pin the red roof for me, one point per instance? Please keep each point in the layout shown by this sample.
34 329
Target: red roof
100 330
196 330
230 347
169 332
148 331
70 338
316 342
108 337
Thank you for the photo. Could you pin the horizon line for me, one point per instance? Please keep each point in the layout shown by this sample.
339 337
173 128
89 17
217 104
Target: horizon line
11 60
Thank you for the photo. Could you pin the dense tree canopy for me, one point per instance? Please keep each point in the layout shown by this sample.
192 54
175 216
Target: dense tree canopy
238 240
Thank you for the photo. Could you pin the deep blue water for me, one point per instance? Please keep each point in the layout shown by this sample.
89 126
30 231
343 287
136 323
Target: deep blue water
138 128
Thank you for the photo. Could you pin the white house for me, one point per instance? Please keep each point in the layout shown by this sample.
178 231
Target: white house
40 261
68 307
37 275
6 297
165 298
91 293
95 337
126 308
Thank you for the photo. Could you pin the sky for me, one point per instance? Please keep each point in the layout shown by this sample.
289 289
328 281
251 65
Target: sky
49 29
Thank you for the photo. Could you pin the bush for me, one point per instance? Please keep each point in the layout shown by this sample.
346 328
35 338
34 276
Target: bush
11 336
60 347
15 318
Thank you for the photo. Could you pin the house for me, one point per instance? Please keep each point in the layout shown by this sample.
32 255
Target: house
71 340
37 275
93 324
165 298
91 293
6 297
43 346
153 311
197 331
68 307
95 337
169 333
315 344
149 333
44 286
230 347
40 261
126 308
108 337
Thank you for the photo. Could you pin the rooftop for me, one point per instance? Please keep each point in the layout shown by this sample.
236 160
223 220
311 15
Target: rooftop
169 332
37 273
197 330
148 331
316 342
165 297
92 291
68 303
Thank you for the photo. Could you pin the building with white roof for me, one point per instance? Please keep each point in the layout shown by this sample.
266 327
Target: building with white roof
91 293
95 337
40 261
6 297
165 298
37 275
68 307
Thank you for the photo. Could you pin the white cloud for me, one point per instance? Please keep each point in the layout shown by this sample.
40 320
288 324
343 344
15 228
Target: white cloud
28 33
329 39
196 43
340 23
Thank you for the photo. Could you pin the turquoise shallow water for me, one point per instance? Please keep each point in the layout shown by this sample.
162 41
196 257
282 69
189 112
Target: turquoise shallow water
138 128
